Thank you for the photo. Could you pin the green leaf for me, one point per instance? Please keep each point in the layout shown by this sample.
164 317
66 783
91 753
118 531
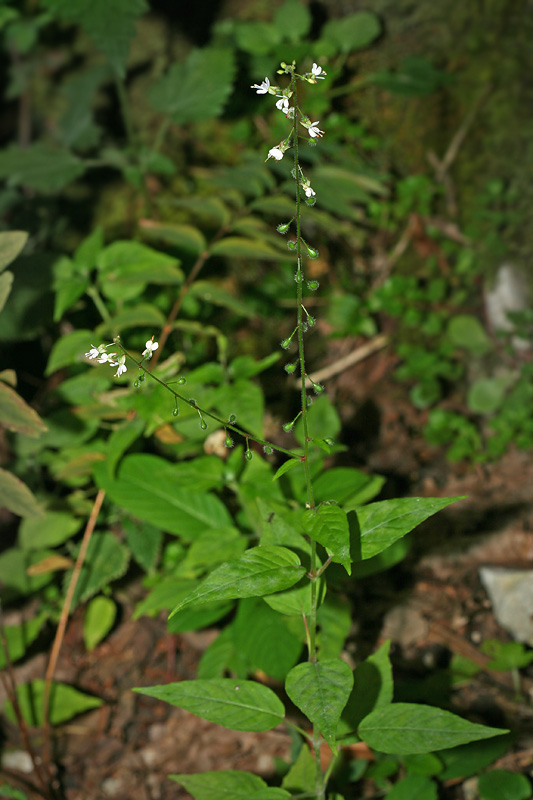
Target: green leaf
11 245
412 728
372 689
259 571
413 787
334 620
321 690
285 467
144 541
197 89
228 784
383 523
65 702
142 315
76 127
106 560
467 332
301 777
214 546
244 399
328 525
99 619
124 264
165 495
214 293
16 497
16 415
69 349
353 32
50 530
423 764
340 484
258 38
264 638
120 440
239 247
486 395
183 237
7 791
237 705
14 564
470 759
111 26
19 638
294 19
501 784
416 77
6 282
41 167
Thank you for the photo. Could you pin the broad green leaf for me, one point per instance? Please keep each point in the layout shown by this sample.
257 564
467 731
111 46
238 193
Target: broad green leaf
415 77
501 784
214 293
285 467
294 19
385 560
14 563
239 247
220 657
383 523
466 331
244 399
353 32
328 525
111 26
372 688
470 759
69 349
120 440
321 691
211 211
340 484
229 784
334 618
50 530
194 619
11 245
340 191
259 571
164 495
412 728
19 638
76 127
323 420
423 764
65 702
264 638
40 167
414 787
243 367
183 237
126 263
197 89
212 547
144 541
258 38
301 777
7 791
141 315
237 705
29 308
106 560
486 395
99 619
69 285
6 282
16 415
16 497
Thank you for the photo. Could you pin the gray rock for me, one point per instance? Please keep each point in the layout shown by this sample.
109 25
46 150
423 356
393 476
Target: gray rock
511 595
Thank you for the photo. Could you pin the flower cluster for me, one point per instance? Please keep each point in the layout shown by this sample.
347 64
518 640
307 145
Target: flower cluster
103 357
283 100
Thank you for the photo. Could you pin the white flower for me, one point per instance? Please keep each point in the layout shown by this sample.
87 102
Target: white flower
290 113
121 366
108 358
314 131
151 346
283 104
94 352
276 153
318 73
309 192
263 87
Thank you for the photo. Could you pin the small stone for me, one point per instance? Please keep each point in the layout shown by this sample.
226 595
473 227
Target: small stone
511 595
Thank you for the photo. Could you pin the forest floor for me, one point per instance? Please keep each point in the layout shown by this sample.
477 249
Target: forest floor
431 606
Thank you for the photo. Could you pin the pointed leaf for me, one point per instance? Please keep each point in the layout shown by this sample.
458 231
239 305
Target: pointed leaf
99 619
40 167
259 571
50 530
285 467
238 705
11 245
385 522
16 415
6 282
65 702
328 525
19 638
239 247
197 89
414 787
16 497
228 784
410 728
321 691
372 688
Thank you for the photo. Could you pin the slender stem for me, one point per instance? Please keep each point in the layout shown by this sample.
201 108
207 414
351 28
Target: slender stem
312 625
99 303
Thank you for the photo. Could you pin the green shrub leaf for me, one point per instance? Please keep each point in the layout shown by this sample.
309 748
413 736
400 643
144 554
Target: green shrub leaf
383 523
106 560
411 728
54 528
259 571
16 497
353 32
41 167
19 638
99 619
321 690
65 702
238 705
372 688
16 415
413 787
11 245
229 784
197 89
328 525
501 784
